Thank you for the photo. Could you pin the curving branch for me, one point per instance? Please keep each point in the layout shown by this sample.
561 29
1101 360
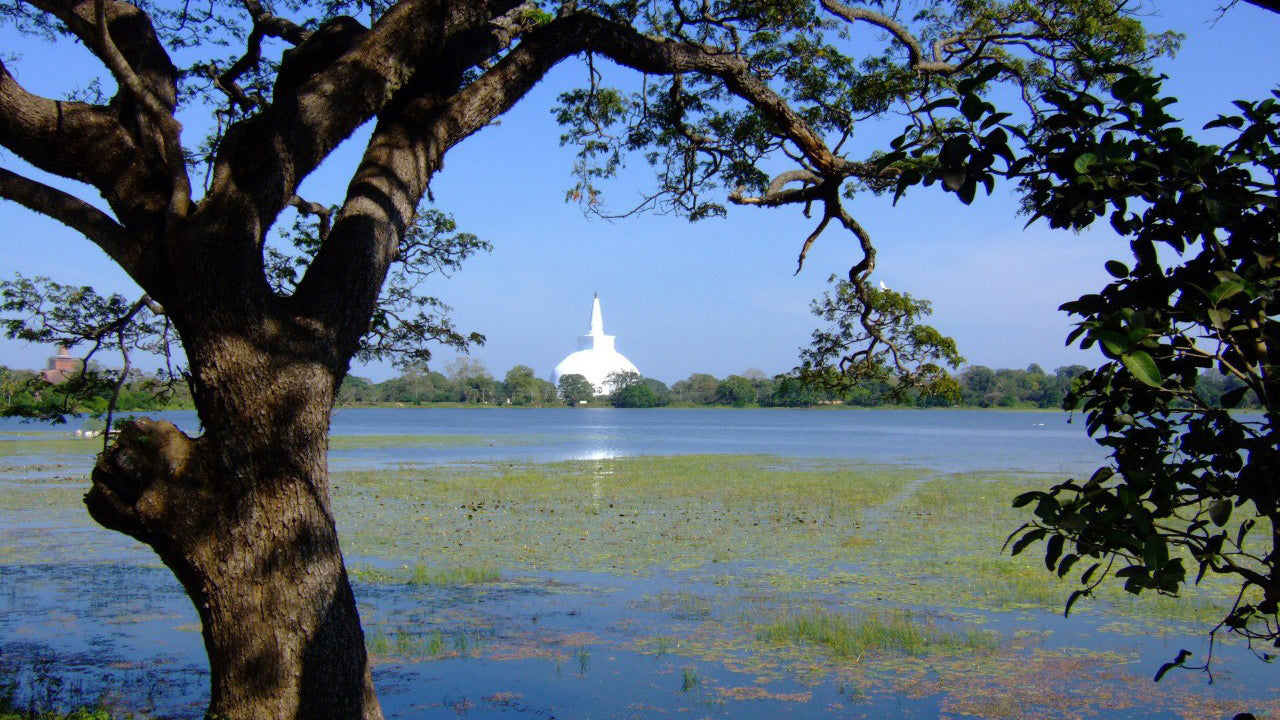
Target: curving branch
265 25
105 48
915 51
131 50
73 212
306 207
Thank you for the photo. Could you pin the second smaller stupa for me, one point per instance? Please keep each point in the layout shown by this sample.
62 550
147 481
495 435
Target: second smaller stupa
596 357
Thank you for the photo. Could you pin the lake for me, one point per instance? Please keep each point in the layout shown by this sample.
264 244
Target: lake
639 561
950 440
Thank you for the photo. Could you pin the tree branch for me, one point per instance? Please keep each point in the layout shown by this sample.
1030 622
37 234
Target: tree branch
73 212
915 51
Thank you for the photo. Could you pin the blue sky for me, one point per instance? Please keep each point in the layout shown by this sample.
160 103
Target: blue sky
717 296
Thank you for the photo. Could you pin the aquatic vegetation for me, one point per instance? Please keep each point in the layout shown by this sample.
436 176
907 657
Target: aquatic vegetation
897 632
689 679
385 442
628 515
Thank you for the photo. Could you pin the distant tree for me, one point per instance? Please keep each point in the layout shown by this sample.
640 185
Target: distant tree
355 390
699 389
635 395
575 389
792 391
617 380
520 386
737 391
472 379
977 383
661 393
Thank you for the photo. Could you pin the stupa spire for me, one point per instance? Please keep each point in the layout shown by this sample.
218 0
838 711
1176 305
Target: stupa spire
597 320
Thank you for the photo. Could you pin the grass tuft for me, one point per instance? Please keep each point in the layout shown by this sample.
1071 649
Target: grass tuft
894 633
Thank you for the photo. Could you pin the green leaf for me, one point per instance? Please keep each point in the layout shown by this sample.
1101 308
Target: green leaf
1026 498
1155 553
1117 269
1066 612
973 107
1141 366
1225 290
1084 161
1115 343
1220 511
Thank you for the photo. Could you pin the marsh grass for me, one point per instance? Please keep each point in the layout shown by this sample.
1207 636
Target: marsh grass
416 645
875 634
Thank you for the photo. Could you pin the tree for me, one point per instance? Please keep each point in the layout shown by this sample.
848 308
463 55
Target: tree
575 389
737 391
241 514
1188 482
472 379
519 386
635 395
698 388
874 336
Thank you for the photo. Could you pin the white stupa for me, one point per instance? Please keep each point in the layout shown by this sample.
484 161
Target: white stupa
596 358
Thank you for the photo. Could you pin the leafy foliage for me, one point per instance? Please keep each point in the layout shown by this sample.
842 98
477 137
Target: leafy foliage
575 388
1192 487
873 335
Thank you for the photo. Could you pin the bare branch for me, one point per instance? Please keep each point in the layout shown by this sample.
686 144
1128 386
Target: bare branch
307 207
73 212
915 51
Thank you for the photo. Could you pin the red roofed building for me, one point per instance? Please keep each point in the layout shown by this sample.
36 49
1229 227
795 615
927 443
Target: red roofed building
61 366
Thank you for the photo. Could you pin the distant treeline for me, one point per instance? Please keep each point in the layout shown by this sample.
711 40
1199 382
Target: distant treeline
467 381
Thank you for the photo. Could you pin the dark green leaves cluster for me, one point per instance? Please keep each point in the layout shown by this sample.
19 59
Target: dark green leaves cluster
1191 487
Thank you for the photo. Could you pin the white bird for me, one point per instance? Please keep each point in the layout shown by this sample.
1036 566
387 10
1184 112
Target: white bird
883 286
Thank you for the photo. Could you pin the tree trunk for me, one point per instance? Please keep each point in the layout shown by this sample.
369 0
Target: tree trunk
242 516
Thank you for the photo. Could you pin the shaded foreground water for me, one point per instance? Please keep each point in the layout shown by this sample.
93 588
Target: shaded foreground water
627 585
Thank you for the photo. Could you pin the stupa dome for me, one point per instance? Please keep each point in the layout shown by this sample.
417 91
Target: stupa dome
596 357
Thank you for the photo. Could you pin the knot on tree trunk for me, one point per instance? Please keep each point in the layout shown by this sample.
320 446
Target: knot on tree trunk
145 485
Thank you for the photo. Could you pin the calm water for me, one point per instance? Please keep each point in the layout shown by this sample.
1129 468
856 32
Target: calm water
948 440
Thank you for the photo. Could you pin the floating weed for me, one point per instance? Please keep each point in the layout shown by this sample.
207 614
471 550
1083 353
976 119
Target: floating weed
689 679
448 577
681 605
897 633
623 515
